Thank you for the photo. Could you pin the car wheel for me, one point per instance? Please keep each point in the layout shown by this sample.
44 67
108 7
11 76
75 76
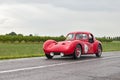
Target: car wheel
99 52
77 52
48 56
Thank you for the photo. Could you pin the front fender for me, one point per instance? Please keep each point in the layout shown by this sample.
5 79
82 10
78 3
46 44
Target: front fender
74 44
47 43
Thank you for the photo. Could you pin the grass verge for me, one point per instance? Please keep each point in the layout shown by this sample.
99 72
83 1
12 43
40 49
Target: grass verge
20 50
25 50
111 46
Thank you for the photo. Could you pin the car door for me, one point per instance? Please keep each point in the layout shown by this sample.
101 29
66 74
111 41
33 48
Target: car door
88 47
90 43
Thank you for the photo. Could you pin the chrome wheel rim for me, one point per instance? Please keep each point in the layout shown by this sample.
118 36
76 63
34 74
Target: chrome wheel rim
78 52
99 51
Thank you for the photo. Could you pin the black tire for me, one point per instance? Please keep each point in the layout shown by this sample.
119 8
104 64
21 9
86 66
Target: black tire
48 56
99 52
77 52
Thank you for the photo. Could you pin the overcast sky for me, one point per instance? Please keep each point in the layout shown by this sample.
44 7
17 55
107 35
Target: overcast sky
59 17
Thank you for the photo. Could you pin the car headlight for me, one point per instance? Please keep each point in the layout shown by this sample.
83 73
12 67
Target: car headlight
52 54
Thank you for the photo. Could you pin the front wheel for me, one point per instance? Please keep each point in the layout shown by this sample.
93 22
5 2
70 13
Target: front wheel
48 56
99 52
77 52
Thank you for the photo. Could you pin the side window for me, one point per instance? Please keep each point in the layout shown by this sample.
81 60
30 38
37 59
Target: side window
85 36
81 36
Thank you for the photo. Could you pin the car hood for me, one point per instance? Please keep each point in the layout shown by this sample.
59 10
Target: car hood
60 44
63 43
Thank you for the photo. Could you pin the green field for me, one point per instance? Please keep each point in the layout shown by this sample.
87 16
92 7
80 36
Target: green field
111 46
22 50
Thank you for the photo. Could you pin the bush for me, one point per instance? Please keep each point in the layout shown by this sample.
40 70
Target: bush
9 38
104 40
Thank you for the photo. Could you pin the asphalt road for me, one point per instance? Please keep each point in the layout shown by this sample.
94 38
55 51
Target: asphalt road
86 68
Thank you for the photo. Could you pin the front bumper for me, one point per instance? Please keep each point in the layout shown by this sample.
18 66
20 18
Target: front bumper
58 51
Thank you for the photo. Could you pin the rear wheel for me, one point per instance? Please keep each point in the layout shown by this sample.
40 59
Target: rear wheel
77 52
48 56
99 52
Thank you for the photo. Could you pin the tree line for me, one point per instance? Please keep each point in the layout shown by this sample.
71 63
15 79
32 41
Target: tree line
108 39
12 37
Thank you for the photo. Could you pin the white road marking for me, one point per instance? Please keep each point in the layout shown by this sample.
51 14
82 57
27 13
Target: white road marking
52 65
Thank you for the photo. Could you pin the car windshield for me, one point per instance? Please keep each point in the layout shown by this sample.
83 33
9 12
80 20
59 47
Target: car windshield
70 36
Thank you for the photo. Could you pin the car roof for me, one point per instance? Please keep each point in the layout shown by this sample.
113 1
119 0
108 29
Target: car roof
83 32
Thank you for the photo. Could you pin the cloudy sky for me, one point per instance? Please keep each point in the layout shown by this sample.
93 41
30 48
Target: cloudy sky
58 17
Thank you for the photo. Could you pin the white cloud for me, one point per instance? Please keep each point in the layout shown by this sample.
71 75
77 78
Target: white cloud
54 18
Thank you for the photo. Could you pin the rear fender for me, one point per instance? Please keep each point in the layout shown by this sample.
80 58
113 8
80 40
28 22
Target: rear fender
96 46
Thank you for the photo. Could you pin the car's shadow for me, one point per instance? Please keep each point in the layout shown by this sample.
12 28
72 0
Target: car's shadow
69 58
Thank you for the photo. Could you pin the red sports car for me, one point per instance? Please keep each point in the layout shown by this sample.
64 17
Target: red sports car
76 44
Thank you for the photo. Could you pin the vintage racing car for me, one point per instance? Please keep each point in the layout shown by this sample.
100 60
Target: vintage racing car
76 44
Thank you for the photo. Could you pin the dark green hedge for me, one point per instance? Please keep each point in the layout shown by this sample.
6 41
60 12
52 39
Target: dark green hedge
104 40
8 38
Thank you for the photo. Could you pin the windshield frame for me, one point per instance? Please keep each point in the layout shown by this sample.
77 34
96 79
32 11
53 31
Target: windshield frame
70 38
